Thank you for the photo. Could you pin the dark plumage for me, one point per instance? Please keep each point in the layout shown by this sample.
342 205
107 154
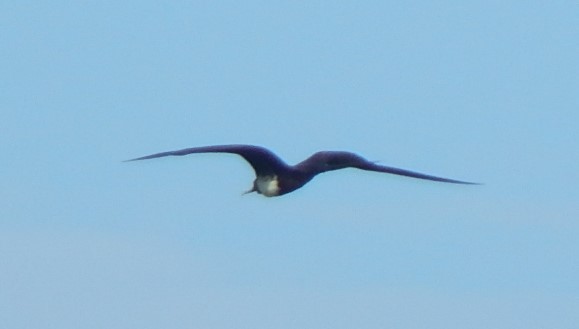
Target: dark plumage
274 177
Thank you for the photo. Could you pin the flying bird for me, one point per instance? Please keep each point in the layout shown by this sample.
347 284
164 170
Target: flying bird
274 177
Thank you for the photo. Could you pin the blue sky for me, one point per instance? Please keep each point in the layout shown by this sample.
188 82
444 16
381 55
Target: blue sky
479 90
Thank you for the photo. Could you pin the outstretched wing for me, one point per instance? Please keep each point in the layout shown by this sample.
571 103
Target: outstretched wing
403 172
262 160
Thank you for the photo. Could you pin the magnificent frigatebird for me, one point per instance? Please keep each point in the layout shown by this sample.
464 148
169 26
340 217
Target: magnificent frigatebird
274 177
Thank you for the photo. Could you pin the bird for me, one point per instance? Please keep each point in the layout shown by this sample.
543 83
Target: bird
274 177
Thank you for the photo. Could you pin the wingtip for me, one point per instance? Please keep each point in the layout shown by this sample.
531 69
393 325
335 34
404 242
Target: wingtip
469 183
130 160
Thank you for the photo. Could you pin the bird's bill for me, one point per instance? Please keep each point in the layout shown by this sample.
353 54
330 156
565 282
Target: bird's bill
250 191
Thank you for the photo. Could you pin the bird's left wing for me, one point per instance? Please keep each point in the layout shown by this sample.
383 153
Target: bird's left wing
261 159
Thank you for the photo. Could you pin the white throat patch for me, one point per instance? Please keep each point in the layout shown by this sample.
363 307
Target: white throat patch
267 185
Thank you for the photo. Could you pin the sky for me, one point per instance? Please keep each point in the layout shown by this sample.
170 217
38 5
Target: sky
481 91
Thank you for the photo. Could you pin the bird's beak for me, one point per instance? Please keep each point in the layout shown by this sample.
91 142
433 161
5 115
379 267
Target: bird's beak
250 191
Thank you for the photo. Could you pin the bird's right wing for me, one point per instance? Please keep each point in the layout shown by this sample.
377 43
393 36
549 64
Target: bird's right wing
261 159
403 172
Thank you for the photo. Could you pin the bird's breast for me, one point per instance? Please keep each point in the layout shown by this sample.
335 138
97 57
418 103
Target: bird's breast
267 185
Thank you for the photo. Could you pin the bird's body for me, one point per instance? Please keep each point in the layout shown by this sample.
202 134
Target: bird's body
274 177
